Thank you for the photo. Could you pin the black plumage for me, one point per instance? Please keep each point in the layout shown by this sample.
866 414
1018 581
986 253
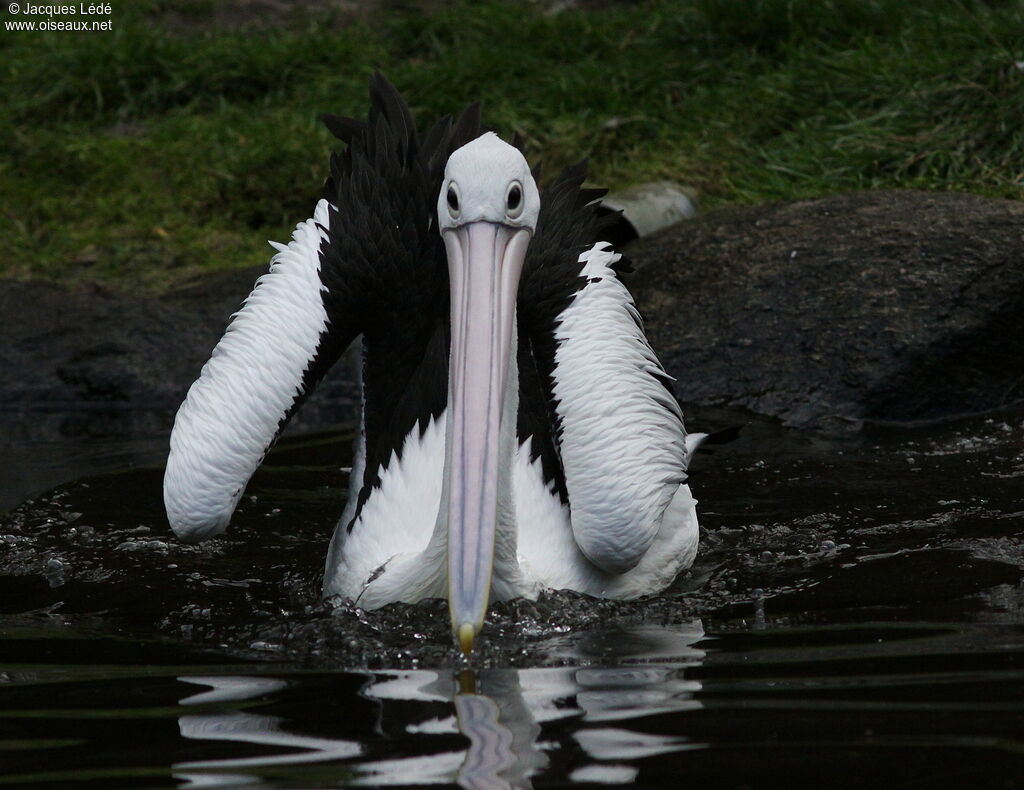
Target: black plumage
385 276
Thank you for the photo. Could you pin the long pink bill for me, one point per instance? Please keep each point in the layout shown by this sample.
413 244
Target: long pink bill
484 263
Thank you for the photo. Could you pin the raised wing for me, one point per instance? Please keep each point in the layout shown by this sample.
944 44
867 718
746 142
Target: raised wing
616 428
622 439
275 350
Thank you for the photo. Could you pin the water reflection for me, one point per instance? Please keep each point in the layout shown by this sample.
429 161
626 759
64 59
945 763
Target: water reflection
249 728
885 645
501 715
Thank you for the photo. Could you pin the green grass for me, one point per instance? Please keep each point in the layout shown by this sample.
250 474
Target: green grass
170 146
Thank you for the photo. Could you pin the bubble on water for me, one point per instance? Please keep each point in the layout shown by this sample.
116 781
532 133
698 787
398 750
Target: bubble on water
143 545
54 572
767 556
827 546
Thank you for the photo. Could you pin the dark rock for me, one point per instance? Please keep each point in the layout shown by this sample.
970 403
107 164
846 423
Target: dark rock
879 306
69 349
874 306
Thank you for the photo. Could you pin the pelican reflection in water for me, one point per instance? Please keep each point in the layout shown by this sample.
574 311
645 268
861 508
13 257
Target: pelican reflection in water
500 712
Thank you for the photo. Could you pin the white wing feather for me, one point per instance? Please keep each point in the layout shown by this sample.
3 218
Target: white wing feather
235 409
623 444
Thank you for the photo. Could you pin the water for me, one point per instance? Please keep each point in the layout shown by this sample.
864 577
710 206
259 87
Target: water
856 616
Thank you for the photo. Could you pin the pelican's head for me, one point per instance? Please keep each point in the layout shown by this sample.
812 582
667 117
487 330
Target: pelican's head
487 211
488 180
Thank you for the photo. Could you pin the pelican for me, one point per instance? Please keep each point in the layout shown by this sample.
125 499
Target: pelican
518 433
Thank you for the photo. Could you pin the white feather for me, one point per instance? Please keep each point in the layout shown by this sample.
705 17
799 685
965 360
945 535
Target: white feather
622 443
396 523
234 410
551 559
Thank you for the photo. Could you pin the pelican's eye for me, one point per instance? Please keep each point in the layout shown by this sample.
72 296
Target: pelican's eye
453 199
514 200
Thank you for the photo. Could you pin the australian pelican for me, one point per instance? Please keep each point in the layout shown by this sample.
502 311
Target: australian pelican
518 432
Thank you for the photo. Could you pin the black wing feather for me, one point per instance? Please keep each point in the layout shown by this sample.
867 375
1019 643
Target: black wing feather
385 255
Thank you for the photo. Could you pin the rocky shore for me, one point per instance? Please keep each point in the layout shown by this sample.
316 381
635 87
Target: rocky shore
874 306
827 314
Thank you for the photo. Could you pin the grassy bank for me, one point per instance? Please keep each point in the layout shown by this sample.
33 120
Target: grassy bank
178 142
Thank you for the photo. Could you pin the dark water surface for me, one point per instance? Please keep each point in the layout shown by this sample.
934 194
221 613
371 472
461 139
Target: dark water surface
855 618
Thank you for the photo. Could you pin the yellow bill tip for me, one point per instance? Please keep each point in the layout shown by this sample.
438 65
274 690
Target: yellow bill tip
466 636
